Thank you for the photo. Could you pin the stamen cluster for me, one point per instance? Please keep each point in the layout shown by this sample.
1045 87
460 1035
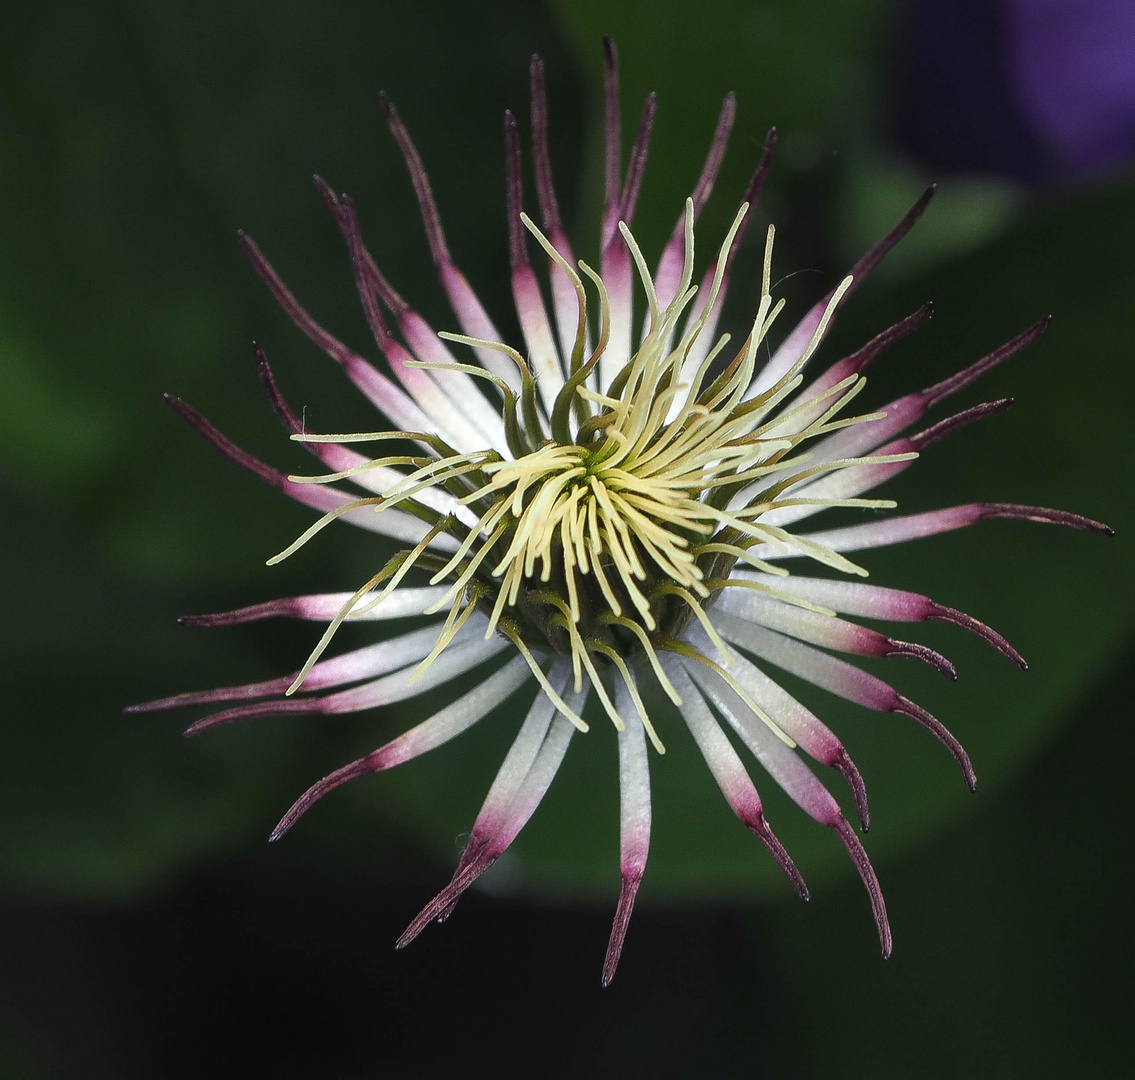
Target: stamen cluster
625 509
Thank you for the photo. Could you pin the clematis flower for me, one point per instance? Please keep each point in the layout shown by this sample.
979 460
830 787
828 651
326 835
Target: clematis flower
616 501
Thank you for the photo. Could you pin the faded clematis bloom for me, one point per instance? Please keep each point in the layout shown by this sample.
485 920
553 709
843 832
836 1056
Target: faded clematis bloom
615 503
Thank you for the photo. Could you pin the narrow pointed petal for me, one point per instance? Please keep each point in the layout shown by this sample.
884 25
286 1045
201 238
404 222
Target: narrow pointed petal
527 798
563 292
613 144
634 827
447 419
827 631
878 602
542 354
323 607
420 336
340 459
470 313
727 770
669 273
852 481
863 438
841 678
799 783
753 191
898 530
792 348
393 522
618 273
446 724
799 723
454 661
494 815
850 365
365 663
385 395
636 164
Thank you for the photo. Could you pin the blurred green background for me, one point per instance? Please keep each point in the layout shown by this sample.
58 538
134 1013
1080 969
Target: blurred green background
148 931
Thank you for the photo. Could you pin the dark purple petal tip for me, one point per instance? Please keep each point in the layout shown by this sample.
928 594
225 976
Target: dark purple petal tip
761 829
975 626
962 379
937 432
846 833
873 257
627 893
922 652
1045 516
942 733
858 789
362 767
445 899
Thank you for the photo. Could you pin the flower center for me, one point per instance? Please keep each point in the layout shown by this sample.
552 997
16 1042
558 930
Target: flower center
626 501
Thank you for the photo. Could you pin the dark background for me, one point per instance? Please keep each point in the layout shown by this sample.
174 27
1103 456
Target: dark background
145 927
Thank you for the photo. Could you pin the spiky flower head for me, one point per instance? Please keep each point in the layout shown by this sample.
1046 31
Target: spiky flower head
605 507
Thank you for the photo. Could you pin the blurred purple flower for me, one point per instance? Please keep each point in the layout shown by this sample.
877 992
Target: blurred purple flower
1038 91
1071 67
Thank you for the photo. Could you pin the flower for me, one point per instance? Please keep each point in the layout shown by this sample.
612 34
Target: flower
608 508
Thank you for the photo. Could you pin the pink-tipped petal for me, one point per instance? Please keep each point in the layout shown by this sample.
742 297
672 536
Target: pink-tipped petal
564 299
937 432
920 716
873 257
848 366
389 689
636 165
669 273
531 792
975 626
861 358
705 339
628 890
431 219
728 771
365 663
427 347
448 420
448 723
862 438
798 782
879 602
634 823
613 139
962 379
792 348
393 522
470 312
514 770
323 607
800 724
840 678
541 162
827 631
894 647
384 394
870 882
339 459
542 353
898 530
